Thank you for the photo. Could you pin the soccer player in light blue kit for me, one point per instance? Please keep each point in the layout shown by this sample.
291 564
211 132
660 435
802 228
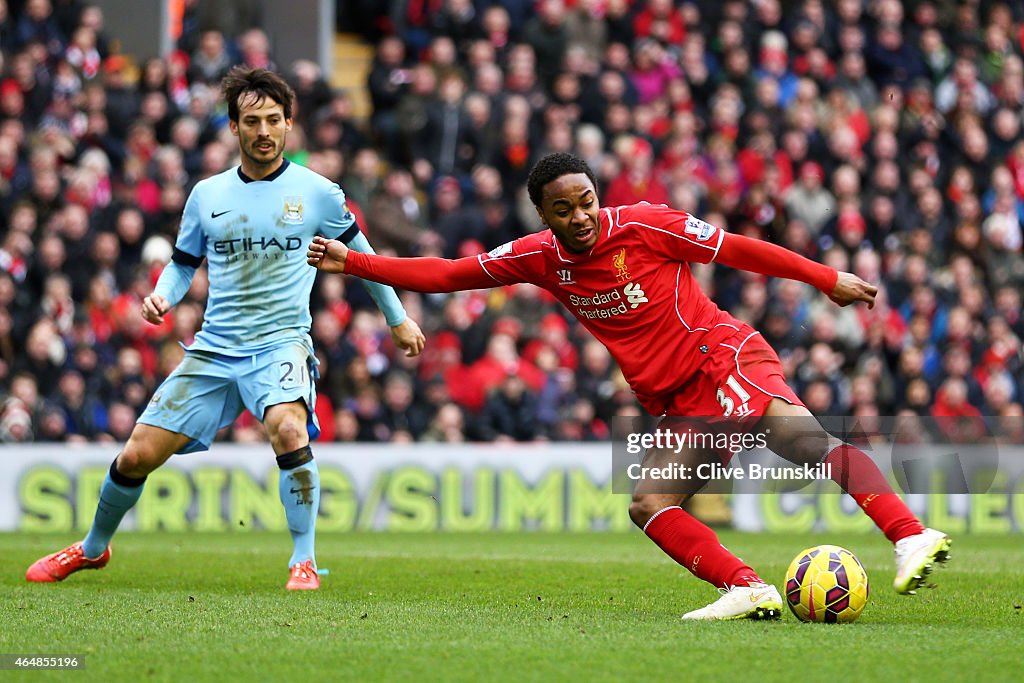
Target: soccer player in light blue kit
251 223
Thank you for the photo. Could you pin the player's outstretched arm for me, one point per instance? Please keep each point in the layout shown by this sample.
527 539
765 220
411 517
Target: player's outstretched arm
382 294
330 256
770 259
175 279
416 274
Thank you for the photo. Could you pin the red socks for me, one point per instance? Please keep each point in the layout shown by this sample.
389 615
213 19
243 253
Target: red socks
693 545
855 472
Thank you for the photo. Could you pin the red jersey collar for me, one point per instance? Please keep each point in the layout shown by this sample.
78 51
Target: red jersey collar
565 256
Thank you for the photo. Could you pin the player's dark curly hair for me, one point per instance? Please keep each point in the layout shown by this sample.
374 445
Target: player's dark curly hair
260 82
555 166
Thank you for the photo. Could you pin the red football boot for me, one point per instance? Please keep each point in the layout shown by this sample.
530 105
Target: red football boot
303 577
62 564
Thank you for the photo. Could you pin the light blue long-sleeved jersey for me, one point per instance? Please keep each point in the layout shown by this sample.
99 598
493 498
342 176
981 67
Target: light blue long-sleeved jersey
254 234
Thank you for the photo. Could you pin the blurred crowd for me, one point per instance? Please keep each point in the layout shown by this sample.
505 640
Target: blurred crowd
877 136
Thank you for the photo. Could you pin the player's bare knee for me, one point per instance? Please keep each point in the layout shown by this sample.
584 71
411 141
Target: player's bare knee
137 459
643 507
810 447
636 513
801 446
290 434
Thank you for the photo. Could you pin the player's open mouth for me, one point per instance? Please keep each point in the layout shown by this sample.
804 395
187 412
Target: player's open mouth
584 235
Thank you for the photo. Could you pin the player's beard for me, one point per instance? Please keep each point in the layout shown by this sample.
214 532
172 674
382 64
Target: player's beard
261 158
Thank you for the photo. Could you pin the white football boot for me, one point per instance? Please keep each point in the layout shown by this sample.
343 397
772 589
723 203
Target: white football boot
916 556
760 601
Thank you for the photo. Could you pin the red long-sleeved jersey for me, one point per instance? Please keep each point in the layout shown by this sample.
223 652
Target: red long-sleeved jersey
633 290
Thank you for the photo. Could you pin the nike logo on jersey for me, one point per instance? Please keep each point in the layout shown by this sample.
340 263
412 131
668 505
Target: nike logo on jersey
214 214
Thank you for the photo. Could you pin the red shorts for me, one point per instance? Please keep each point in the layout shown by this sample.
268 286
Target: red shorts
738 378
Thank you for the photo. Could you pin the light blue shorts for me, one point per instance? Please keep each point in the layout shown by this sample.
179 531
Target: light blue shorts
207 391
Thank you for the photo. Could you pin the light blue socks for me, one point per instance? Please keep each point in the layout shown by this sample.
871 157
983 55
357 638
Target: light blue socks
300 494
117 496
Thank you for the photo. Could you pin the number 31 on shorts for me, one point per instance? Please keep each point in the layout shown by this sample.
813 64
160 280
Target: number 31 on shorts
728 403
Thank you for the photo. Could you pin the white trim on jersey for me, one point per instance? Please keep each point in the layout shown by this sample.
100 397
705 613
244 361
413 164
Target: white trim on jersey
558 253
721 238
480 260
676 235
747 379
679 272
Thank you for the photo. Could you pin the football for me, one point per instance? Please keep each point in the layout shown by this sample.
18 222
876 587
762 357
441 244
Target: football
826 583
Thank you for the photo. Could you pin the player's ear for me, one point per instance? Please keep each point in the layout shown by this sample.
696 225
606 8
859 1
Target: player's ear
287 125
233 125
540 212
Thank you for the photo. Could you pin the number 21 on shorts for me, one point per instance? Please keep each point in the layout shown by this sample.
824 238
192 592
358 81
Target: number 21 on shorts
292 374
728 403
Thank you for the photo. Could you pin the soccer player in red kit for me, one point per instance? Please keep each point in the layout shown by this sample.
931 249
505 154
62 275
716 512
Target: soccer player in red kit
622 271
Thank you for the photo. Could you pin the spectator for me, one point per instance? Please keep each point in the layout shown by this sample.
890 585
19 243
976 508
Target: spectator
400 412
211 61
83 414
963 81
388 82
122 100
809 200
448 426
510 413
395 215
254 48
654 69
454 221
957 420
637 181
890 59
120 421
38 25
548 35
659 19
447 140
7 35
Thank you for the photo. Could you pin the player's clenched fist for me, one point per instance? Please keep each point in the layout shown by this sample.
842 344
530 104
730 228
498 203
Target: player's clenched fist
408 336
154 307
327 255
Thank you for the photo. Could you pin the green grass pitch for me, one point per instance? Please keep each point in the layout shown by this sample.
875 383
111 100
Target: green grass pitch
485 607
